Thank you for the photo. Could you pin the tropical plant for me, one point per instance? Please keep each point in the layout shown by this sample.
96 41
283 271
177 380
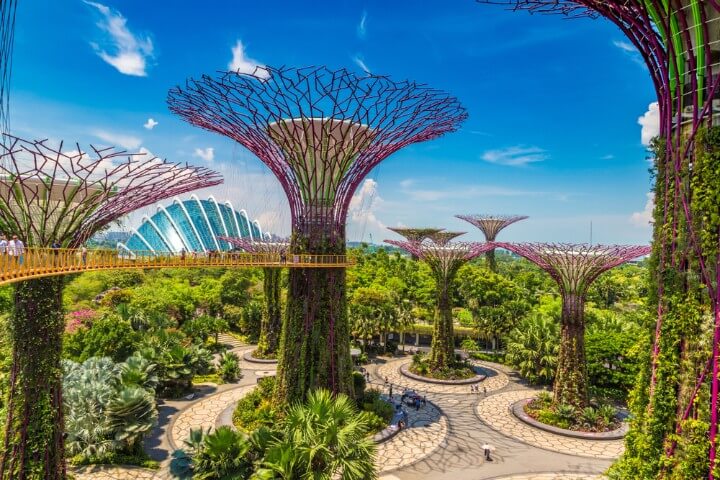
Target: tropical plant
131 414
533 347
229 368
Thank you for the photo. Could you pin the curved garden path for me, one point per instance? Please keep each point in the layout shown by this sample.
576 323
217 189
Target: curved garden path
443 442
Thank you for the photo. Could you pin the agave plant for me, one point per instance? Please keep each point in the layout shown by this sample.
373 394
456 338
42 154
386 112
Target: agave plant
138 370
131 414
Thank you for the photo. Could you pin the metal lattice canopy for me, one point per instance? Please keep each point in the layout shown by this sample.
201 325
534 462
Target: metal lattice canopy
575 266
415 234
444 259
442 238
491 224
254 246
319 131
48 194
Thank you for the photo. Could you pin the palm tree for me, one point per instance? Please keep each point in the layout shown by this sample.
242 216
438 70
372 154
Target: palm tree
533 348
323 439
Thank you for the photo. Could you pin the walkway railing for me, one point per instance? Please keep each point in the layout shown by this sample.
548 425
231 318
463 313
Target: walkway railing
45 262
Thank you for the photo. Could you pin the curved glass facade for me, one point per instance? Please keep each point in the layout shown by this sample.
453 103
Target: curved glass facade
192 225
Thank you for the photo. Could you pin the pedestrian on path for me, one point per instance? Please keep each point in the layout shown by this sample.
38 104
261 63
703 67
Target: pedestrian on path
390 392
487 448
485 391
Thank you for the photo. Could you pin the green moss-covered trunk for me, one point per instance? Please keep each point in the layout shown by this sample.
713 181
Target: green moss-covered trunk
314 344
571 376
490 260
442 349
33 445
272 316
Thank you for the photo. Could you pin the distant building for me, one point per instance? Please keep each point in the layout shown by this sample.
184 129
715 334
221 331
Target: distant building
192 225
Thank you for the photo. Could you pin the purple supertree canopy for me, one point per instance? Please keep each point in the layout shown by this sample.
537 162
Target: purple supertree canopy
254 246
48 194
575 266
491 224
415 234
320 131
443 259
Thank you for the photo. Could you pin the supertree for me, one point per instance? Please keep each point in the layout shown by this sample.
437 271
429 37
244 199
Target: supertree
320 132
7 39
414 234
678 40
50 196
444 258
574 267
272 316
490 225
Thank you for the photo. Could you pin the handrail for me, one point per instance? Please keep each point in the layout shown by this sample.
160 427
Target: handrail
45 262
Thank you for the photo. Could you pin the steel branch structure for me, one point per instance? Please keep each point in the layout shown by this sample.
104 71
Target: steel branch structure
444 259
8 9
490 225
574 267
320 132
679 41
414 234
53 195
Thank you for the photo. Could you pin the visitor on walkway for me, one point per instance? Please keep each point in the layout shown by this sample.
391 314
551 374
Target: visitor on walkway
487 448
3 245
16 249
283 256
485 391
390 394
83 254
182 255
424 401
417 404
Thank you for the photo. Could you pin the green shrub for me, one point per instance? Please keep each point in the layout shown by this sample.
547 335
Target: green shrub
565 412
229 368
107 337
256 409
607 413
589 417
359 385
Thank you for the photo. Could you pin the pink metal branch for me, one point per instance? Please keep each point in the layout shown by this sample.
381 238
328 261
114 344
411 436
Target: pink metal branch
48 194
253 246
415 234
491 224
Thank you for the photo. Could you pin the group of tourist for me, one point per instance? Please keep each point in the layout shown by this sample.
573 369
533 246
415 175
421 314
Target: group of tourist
13 248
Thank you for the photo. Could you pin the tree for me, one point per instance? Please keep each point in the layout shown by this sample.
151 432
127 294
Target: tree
371 312
533 347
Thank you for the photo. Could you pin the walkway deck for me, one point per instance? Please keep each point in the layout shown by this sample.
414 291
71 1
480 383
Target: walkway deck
45 262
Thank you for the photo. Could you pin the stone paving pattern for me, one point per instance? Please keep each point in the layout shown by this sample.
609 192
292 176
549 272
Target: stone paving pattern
495 411
204 413
427 431
553 476
103 472
391 371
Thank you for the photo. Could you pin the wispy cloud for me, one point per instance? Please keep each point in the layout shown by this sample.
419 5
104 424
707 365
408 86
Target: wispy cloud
207 154
129 142
150 124
465 192
516 156
362 211
129 52
609 156
241 63
645 217
630 51
360 62
649 123
362 28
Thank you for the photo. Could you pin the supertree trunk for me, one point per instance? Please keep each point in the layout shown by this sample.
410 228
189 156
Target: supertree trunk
272 316
490 259
314 346
442 350
33 446
571 376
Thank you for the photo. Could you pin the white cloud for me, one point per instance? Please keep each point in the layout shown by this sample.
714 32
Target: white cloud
360 62
207 154
362 26
630 51
243 64
407 183
644 218
362 218
609 156
130 52
650 123
150 124
128 142
516 156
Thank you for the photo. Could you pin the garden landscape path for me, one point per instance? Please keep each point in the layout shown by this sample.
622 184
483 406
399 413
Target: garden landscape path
443 440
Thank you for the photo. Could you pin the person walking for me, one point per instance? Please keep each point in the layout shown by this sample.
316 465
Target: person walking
16 249
487 448
83 254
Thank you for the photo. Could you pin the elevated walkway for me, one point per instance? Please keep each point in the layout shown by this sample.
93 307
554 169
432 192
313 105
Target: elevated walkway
46 262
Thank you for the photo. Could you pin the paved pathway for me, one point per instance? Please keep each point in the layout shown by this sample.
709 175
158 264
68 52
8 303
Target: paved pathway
495 411
391 370
552 476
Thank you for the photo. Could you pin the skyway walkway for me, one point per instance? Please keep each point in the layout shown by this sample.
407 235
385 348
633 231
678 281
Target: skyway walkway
45 262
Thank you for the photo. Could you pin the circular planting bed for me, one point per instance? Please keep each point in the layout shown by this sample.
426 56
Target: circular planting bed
518 409
405 370
248 357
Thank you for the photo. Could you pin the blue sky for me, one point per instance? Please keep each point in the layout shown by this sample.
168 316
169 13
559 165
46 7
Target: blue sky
554 104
